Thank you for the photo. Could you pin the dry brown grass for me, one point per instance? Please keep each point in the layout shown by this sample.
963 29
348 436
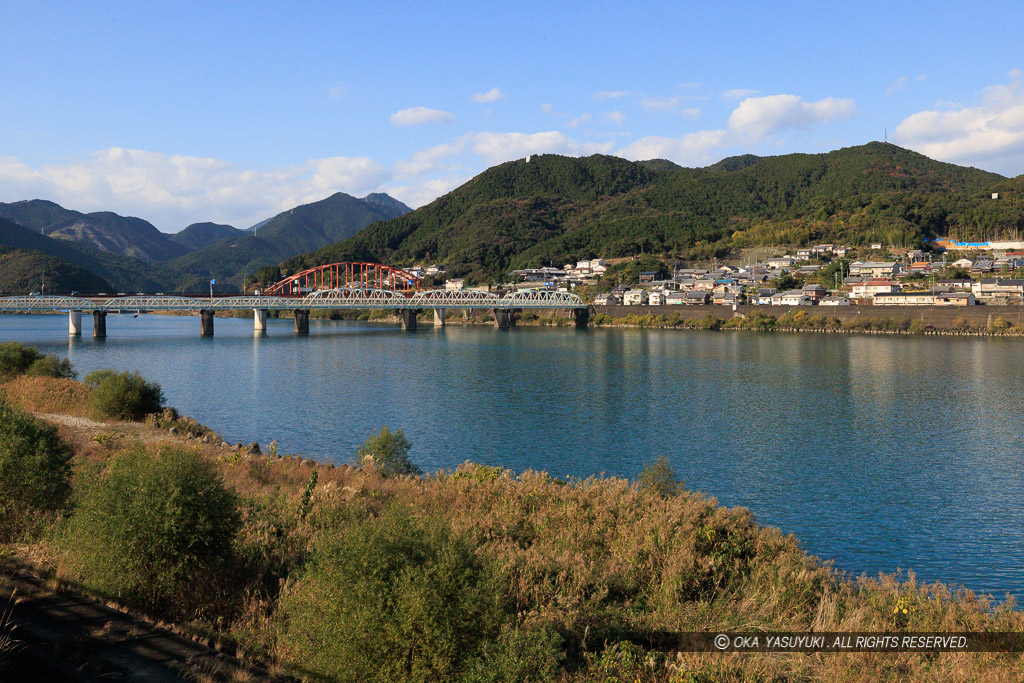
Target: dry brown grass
608 564
48 395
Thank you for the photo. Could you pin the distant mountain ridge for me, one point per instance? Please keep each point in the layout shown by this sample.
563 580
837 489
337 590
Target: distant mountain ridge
200 235
132 254
103 230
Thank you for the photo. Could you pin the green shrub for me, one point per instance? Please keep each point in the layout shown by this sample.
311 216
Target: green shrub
18 359
659 477
35 471
52 366
388 452
123 395
399 598
155 530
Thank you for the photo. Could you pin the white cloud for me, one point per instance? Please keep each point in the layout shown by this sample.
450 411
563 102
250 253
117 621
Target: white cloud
424 193
419 115
337 91
496 148
616 117
897 85
737 94
173 191
1014 74
691 113
653 104
757 117
695 149
492 95
580 120
547 108
991 131
610 94
431 159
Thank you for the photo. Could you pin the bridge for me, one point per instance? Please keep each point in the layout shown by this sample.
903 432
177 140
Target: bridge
336 286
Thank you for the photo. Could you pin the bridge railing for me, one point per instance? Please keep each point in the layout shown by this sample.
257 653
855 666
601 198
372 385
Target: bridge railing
328 299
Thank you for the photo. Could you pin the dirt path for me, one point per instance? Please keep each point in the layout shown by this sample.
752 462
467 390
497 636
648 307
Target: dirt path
63 636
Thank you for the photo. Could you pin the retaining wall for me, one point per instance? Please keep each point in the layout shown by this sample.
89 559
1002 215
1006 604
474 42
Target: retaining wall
939 317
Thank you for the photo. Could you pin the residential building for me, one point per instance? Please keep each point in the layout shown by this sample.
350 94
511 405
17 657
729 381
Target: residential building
870 288
635 297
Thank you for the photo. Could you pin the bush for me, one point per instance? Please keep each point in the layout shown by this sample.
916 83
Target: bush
659 477
123 395
399 598
18 359
155 530
52 366
35 471
388 453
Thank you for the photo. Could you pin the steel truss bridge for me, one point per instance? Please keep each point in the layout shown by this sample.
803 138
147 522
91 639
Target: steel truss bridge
407 300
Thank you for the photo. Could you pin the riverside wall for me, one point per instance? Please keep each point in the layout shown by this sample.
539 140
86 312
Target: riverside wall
939 317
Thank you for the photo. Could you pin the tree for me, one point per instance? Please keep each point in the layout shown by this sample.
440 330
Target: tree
387 452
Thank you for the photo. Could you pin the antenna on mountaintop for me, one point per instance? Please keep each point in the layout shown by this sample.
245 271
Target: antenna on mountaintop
886 136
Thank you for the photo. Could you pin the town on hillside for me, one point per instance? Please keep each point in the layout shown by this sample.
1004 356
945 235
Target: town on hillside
822 275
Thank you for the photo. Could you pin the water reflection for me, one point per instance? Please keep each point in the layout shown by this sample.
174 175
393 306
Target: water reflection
879 452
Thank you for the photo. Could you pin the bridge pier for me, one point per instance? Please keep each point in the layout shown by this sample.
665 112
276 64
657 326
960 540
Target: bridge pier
581 316
75 323
206 323
503 318
439 317
99 324
302 321
408 319
259 320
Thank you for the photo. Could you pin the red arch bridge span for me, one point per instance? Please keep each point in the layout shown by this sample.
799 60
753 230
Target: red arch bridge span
407 298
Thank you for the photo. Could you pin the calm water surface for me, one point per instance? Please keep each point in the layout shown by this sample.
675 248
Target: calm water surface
876 452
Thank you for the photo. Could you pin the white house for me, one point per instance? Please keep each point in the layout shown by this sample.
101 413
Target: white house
869 288
635 297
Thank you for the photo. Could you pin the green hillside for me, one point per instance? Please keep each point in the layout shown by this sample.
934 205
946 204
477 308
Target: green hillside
23 271
556 209
201 235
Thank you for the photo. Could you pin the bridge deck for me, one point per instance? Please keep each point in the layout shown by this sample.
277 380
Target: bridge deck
330 299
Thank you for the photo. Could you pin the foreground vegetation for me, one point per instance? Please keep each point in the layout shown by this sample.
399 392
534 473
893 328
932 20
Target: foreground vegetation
370 571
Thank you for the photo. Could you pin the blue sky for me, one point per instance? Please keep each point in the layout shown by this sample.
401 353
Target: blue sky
232 112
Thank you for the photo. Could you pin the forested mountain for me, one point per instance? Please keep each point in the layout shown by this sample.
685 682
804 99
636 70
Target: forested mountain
126 253
200 235
123 273
556 209
289 233
23 271
103 230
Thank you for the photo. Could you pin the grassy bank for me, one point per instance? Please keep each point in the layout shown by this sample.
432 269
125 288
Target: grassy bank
370 571
802 321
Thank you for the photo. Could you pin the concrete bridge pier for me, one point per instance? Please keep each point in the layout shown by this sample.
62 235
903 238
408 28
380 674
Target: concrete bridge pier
581 316
206 323
259 321
439 317
302 321
75 323
503 318
99 324
408 319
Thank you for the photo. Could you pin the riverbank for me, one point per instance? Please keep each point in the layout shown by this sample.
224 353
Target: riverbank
559 579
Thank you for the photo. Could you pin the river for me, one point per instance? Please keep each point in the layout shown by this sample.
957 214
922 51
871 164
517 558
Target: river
877 452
